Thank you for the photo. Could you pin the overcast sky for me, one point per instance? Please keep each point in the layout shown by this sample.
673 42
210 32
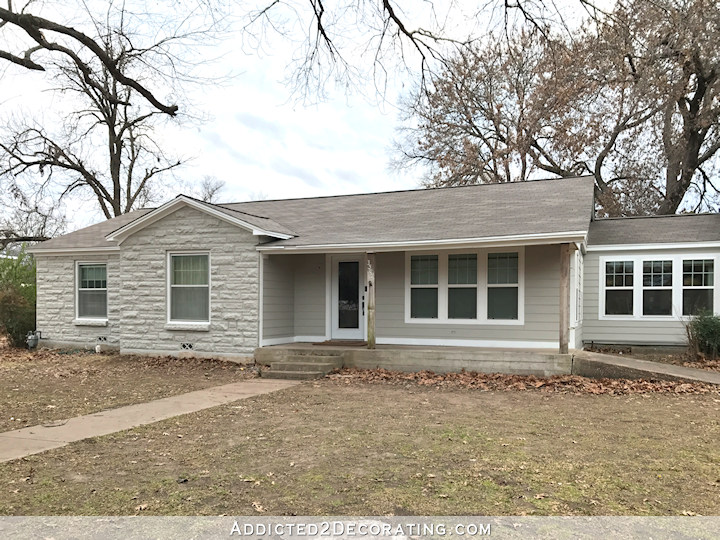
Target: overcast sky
257 138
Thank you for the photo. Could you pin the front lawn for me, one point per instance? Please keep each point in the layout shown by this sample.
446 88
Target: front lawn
337 447
45 386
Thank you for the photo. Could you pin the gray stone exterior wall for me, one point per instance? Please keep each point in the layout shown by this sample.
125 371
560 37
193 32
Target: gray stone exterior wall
234 278
56 284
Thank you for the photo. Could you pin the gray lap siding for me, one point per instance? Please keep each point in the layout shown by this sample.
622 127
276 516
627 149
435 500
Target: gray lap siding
642 331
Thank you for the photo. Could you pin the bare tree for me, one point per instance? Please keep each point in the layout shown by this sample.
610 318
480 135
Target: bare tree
105 148
209 188
631 98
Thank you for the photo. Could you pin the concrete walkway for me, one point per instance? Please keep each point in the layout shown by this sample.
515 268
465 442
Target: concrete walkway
592 364
33 440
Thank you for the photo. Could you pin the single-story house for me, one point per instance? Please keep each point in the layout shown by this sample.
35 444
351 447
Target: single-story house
518 266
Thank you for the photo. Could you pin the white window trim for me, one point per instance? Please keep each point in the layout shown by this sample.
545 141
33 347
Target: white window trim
92 321
677 287
482 287
712 287
185 324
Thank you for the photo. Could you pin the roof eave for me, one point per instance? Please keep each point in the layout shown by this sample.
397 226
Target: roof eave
574 237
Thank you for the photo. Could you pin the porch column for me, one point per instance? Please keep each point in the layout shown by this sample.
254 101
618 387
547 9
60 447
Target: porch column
371 300
564 297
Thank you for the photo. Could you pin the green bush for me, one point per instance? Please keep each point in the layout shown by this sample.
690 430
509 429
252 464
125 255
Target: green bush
704 334
17 297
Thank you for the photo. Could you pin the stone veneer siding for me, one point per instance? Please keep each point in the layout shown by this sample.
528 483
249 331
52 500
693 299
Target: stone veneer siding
234 290
56 284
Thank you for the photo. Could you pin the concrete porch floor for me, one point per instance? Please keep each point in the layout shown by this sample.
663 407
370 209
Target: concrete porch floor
440 359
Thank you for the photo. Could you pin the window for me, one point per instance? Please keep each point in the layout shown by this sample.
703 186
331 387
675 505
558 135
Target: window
619 287
92 291
189 287
462 286
657 287
698 282
424 287
502 292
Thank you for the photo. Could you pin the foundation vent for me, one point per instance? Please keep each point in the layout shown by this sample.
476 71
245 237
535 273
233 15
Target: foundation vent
186 346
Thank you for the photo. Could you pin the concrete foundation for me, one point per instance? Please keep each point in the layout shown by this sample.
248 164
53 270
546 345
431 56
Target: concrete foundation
437 359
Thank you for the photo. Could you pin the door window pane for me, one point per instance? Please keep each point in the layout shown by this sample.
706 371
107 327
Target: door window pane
462 303
424 303
348 294
619 302
657 302
503 303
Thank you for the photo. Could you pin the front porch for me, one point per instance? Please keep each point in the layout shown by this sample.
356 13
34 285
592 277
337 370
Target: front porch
485 300
309 360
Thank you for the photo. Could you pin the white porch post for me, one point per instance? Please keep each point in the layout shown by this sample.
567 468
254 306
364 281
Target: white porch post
564 297
371 300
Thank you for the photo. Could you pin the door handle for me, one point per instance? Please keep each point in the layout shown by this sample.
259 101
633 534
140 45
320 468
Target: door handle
363 308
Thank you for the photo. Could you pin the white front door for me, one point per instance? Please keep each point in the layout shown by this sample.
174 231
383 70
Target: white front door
348 297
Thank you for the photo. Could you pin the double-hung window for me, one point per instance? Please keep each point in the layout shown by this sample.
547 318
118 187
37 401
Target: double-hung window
462 286
619 287
92 291
667 285
424 286
189 287
698 283
657 287
502 292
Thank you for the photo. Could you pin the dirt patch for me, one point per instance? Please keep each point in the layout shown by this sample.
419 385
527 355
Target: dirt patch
329 447
49 385
498 381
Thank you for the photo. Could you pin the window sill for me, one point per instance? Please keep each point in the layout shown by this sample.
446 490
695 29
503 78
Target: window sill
90 322
188 326
467 322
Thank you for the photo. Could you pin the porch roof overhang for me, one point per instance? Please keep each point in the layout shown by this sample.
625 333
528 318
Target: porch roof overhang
577 238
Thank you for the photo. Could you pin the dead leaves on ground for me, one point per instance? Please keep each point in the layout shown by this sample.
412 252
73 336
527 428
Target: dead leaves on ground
568 384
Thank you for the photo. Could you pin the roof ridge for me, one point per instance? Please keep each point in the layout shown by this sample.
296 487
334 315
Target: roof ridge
429 189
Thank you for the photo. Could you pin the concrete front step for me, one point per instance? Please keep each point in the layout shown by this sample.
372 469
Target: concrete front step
335 361
295 375
324 367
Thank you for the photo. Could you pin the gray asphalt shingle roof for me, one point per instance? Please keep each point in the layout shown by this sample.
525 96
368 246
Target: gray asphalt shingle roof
484 211
92 236
655 230
471 212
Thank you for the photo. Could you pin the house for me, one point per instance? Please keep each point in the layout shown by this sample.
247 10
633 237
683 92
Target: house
511 266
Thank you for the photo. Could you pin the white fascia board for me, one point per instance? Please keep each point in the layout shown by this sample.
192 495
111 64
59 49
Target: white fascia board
647 247
575 237
69 251
168 208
